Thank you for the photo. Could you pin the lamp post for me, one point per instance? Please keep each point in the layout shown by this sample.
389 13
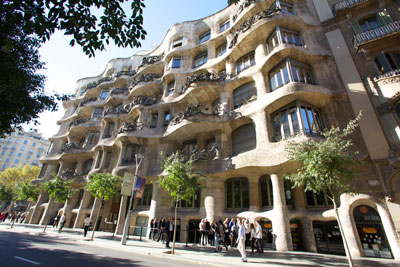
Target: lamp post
128 216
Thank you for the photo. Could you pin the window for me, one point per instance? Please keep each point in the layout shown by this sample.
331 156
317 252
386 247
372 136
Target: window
145 201
108 160
98 159
320 199
295 119
129 156
16 161
387 62
244 94
194 202
245 62
22 148
177 43
13 148
108 130
33 144
288 192
224 25
266 191
170 88
189 147
154 120
243 139
97 113
11 153
285 7
17 141
25 142
28 156
38 155
19 155
3 153
204 37
175 63
7 160
167 118
104 94
237 193
283 36
87 166
200 60
221 50
92 138
371 23
290 70
30 151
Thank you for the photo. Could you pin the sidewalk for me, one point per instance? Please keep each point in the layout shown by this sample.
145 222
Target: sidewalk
199 254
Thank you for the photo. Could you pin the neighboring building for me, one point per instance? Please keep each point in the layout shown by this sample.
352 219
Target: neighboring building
22 148
233 88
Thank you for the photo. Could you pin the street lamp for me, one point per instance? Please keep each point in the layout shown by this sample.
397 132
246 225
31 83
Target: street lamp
128 216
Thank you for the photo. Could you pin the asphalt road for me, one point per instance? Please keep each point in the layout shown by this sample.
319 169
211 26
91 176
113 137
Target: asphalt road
25 250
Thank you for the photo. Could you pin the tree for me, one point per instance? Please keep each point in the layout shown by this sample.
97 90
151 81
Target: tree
326 166
13 177
59 189
6 195
230 2
28 191
181 180
25 25
102 186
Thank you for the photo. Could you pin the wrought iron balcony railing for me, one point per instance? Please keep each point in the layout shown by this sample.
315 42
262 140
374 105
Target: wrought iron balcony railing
389 74
344 4
377 33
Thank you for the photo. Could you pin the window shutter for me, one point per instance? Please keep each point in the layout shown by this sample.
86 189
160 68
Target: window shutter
355 26
383 17
382 63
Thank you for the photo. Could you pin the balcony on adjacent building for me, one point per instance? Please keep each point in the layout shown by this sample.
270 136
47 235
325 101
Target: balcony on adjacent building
378 33
345 4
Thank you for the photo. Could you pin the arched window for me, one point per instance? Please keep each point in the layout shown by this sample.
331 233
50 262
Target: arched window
243 139
296 118
87 166
237 193
267 199
145 200
243 94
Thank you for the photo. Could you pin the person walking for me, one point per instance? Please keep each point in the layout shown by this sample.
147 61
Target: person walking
253 237
248 234
259 237
151 228
169 229
161 231
241 240
155 229
61 223
56 219
202 227
86 225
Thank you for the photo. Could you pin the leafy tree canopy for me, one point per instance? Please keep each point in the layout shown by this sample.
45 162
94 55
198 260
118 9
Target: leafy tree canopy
58 188
326 163
103 185
28 191
181 179
230 2
14 177
25 25
6 193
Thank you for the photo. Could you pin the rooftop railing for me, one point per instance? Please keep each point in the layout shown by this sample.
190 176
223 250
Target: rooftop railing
377 33
344 4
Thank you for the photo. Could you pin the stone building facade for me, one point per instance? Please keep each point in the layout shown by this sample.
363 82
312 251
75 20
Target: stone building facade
233 88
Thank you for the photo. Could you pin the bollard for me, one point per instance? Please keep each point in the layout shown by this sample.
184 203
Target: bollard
141 231
195 239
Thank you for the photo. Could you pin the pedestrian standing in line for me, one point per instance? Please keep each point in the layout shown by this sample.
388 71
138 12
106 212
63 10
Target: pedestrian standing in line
61 223
202 227
253 237
226 234
169 228
86 225
151 228
241 240
208 231
248 230
155 225
259 237
161 232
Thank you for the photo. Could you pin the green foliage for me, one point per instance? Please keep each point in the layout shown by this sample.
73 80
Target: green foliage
103 185
181 179
6 193
230 2
58 188
13 177
28 191
325 164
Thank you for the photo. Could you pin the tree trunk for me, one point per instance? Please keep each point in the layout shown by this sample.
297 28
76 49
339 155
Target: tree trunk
346 247
48 217
173 242
97 218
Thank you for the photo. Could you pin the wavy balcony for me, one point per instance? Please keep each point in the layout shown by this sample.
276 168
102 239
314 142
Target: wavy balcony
362 39
346 4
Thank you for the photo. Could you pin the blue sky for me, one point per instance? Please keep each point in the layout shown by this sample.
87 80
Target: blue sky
65 64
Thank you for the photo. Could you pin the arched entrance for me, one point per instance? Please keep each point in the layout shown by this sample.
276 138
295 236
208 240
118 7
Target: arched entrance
295 230
328 238
267 235
371 233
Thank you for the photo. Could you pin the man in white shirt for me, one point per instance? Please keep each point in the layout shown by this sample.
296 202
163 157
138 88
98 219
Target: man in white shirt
61 223
86 225
241 240
259 237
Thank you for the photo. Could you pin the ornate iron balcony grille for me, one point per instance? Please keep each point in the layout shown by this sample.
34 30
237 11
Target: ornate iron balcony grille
344 4
389 74
378 33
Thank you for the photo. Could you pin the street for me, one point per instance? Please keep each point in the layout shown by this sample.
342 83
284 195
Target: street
24 249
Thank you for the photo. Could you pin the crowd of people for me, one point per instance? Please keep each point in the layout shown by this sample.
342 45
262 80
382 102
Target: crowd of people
13 216
240 233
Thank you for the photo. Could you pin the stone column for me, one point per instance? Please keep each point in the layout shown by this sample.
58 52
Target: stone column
36 209
280 220
230 66
307 235
262 134
79 167
259 80
79 217
67 211
254 196
121 215
47 212
214 201
390 231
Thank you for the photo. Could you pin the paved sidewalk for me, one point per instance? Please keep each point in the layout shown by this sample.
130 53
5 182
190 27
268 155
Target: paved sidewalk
204 256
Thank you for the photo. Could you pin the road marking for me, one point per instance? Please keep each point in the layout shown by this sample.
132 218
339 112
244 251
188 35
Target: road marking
23 259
